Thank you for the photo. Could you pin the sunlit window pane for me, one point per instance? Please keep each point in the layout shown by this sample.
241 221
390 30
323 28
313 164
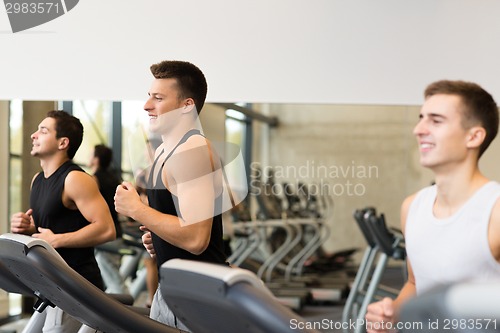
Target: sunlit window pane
96 119
136 153
16 148
15 167
16 126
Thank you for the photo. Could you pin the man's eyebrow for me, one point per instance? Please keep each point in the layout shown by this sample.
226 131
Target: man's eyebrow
436 115
432 115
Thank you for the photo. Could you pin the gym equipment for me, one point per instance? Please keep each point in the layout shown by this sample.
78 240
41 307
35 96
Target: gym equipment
358 288
37 265
293 290
293 296
247 241
11 284
246 304
206 297
366 287
462 307
288 239
132 251
322 289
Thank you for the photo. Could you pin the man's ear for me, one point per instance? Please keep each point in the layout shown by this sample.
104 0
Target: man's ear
475 136
188 105
63 143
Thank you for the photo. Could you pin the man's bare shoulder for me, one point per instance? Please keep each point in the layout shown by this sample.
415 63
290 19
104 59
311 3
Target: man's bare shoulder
494 230
193 142
79 176
196 152
405 208
495 213
78 181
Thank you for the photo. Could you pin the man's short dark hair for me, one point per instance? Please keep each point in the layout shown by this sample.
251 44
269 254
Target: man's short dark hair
190 79
480 107
68 126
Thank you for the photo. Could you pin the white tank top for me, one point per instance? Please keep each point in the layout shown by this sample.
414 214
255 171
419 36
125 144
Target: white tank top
444 251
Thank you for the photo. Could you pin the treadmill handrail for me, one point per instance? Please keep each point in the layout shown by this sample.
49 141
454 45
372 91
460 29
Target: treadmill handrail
360 216
30 242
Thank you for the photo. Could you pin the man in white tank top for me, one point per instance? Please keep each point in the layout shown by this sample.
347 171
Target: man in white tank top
452 229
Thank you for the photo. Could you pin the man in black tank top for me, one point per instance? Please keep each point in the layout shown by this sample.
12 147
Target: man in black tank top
183 219
66 208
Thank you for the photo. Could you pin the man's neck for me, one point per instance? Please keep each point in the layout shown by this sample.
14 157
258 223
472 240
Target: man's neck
171 139
454 189
50 165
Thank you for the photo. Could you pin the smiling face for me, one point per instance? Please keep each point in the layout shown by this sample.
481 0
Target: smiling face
163 105
44 139
442 137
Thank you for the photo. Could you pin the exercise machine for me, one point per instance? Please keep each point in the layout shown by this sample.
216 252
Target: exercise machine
206 297
132 253
224 300
384 244
11 284
462 307
38 266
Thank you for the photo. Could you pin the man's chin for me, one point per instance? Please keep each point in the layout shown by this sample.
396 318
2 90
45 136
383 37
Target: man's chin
159 129
427 164
153 129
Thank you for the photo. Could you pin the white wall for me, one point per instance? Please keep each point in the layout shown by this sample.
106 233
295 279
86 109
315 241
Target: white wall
282 51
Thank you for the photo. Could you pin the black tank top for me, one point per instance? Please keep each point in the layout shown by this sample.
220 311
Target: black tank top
49 212
161 199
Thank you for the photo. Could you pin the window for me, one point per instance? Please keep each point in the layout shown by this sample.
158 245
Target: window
235 127
96 117
15 177
16 149
239 133
136 153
